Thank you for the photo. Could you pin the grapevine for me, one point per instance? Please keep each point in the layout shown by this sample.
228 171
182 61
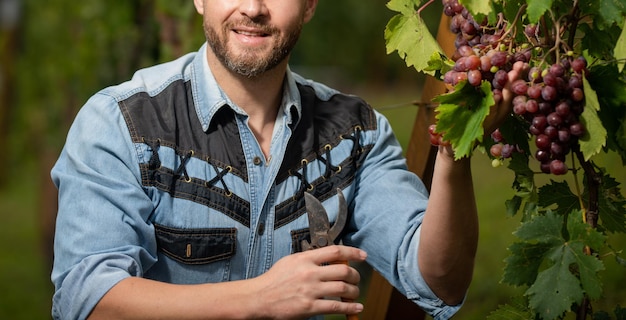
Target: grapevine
569 106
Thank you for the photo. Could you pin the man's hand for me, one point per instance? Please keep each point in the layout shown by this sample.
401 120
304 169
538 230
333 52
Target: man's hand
502 109
296 286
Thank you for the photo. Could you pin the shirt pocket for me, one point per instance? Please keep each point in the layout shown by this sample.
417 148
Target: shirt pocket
196 246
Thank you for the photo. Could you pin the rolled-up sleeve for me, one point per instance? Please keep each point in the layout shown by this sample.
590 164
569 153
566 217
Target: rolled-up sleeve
389 207
102 235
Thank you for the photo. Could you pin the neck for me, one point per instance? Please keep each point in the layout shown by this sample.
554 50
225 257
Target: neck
259 97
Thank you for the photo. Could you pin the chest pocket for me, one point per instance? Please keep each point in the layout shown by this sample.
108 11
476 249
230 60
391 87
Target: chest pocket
196 246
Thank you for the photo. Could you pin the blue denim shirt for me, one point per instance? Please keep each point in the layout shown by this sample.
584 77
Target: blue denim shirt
162 178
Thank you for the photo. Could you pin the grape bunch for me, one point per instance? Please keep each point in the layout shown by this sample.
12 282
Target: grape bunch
549 97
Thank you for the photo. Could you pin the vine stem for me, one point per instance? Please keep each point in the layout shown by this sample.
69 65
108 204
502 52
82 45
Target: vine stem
578 189
590 216
424 6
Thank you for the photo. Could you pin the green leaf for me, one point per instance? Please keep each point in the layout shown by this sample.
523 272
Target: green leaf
523 263
609 12
559 194
594 139
569 272
405 7
555 289
582 235
546 228
513 205
620 49
461 114
478 7
409 35
517 309
536 9
610 88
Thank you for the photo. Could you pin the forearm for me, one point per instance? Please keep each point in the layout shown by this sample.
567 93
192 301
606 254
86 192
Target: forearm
449 232
139 298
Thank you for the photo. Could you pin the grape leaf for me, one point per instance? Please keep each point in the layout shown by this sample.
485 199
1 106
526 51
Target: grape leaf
517 309
610 88
554 291
405 7
620 49
545 228
582 235
524 186
558 193
478 8
461 114
536 9
522 265
594 139
570 272
407 34
609 11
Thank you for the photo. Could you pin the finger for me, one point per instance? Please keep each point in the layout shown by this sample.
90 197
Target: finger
328 306
337 253
340 272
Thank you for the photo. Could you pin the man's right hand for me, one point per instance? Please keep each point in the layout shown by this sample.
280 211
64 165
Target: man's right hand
295 287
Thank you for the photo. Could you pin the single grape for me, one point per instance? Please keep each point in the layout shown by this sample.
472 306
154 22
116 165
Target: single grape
579 65
558 167
577 94
485 63
550 79
562 109
542 155
540 122
575 81
549 93
500 79
564 135
465 51
507 150
554 119
551 132
499 58
534 91
534 130
469 28
542 142
557 149
531 30
519 87
496 150
474 77
557 70
496 135
577 129
532 106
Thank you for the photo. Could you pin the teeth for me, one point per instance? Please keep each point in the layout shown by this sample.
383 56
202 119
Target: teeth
252 34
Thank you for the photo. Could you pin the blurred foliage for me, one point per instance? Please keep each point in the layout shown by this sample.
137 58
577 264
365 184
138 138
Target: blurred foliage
68 50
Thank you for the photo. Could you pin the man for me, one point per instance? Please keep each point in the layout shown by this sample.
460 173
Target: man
181 191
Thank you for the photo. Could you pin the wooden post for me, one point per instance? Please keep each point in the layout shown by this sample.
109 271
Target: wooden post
383 301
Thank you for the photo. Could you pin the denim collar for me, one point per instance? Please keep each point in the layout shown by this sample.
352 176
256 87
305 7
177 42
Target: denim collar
209 97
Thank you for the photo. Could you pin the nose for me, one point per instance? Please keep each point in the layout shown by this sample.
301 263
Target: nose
253 8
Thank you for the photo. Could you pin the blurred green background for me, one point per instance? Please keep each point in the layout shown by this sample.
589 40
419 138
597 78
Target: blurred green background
55 54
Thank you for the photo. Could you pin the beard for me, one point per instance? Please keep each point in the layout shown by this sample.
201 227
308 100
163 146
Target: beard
251 62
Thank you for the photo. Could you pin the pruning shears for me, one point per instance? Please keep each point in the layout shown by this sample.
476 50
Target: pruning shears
322 233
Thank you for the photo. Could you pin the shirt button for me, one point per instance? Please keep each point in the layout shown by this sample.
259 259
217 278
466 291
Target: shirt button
261 229
257 161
